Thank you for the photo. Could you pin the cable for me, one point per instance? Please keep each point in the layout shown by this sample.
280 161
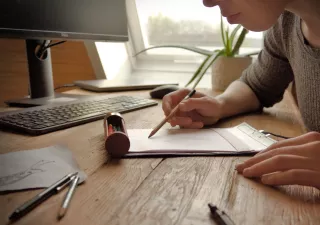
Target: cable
42 48
65 86
54 44
45 45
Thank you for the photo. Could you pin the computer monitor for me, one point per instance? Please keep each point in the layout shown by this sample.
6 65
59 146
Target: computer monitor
43 23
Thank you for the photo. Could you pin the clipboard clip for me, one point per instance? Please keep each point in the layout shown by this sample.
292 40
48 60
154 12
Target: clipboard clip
266 133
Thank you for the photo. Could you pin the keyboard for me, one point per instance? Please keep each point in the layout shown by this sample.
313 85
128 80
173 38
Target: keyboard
48 118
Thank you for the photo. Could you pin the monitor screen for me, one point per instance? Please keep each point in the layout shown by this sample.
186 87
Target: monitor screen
40 22
103 20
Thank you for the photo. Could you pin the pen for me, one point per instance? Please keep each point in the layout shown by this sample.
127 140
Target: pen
155 130
220 216
39 198
68 197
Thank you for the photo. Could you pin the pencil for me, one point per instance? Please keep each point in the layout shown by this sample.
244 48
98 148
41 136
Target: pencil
155 130
68 197
110 129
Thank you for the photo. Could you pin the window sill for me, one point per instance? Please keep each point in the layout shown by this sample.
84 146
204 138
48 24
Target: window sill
172 77
166 66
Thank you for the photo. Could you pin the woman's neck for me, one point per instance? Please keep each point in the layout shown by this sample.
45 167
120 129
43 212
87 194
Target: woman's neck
309 12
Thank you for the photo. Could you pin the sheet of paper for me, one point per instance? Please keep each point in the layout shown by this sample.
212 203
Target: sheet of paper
254 139
38 168
173 140
178 140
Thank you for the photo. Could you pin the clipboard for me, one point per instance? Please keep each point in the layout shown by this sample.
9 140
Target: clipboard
240 140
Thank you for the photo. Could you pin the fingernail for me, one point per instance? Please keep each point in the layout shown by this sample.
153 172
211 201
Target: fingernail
247 172
265 180
239 166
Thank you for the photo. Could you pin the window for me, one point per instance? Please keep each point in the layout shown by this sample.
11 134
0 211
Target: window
178 22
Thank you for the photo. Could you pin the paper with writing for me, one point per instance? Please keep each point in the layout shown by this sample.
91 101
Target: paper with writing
37 168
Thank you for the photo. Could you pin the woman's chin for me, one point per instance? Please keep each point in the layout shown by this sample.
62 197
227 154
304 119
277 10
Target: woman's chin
256 27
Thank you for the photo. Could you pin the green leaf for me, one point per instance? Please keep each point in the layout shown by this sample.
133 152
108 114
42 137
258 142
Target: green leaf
206 66
222 31
239 42
233 34
193 49
198 71
227 48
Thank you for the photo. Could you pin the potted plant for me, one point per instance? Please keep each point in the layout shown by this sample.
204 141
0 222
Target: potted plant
227 65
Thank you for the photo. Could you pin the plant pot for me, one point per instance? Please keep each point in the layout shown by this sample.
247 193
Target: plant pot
225 70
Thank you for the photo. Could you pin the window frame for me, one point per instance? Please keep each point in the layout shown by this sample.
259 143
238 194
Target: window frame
159 62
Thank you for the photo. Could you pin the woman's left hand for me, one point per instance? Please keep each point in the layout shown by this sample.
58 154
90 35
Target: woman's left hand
291 161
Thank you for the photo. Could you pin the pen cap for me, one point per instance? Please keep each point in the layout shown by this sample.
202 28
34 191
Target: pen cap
117 142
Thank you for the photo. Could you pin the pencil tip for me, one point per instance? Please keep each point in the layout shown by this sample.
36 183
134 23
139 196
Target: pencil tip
12 216
61 213
151 134
212 207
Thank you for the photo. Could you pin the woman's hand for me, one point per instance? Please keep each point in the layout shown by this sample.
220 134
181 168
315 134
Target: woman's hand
195 112
291 161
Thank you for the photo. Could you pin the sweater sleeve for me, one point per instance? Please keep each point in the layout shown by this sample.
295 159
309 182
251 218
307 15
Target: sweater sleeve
271 73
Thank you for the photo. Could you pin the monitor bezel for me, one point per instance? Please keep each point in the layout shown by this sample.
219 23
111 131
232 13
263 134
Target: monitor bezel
55 35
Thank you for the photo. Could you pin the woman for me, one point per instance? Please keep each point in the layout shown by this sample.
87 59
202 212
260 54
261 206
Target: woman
291 52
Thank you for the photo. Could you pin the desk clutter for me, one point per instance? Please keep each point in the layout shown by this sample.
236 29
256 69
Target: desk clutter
117 142
37 168
70 179
53 168
238 140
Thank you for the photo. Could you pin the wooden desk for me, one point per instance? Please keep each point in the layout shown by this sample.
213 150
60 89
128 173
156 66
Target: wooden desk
165 191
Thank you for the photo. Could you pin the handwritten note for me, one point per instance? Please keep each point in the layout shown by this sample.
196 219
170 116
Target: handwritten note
37 168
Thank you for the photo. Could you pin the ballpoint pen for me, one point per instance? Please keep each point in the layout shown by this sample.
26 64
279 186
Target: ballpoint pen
68 197
155 130
220 216
39 198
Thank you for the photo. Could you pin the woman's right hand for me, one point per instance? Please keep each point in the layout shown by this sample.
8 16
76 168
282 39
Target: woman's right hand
194 112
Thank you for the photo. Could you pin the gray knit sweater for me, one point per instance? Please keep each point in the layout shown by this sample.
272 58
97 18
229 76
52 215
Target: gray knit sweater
286 56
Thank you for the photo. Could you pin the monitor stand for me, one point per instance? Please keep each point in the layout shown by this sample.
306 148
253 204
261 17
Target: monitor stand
41 88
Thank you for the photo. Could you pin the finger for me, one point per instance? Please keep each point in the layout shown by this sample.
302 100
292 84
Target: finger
177 96
303 139
186 122
194 103
194 125
166 105
170 100
300 150
181 121
280 163
295 176
307 150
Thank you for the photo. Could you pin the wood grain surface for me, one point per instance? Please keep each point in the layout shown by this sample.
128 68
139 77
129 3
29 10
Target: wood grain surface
165 190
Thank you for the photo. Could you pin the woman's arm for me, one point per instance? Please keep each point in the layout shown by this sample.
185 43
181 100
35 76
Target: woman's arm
238 98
